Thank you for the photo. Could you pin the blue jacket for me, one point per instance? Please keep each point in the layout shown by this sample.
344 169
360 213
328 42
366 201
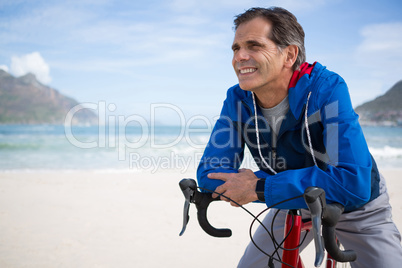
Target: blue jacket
345 168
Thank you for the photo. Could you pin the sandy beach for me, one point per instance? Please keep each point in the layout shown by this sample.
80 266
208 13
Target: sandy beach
120 219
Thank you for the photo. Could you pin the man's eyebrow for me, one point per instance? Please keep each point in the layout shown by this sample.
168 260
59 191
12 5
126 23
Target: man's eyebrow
248 43
235 46
254 42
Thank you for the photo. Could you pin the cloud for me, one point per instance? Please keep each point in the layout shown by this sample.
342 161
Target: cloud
380 52
386 37
376 61
31 63
4 68
194 5
381 45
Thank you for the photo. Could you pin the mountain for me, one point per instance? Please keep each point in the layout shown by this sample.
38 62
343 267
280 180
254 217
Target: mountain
24 100
384 110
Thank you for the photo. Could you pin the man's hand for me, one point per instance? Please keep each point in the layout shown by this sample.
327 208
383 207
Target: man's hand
239 187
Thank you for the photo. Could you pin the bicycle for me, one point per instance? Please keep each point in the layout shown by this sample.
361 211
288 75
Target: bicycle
322 215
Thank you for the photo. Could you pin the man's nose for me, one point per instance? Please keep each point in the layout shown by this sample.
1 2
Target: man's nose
241 55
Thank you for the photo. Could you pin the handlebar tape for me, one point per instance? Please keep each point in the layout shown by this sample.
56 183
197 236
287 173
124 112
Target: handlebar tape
330 219
202 202
332 246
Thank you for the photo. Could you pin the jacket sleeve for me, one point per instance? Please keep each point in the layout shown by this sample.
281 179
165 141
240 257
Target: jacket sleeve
225 149
347 177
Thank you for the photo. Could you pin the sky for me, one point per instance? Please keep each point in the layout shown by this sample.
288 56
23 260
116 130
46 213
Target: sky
169 62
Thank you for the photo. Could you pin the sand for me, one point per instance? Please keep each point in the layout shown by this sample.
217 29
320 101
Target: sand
127 219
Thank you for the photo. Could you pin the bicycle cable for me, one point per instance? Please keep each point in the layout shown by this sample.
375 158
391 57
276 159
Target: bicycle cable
277 245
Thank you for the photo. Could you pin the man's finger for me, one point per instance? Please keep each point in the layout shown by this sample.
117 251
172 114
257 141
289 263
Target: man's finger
233 204
219 190
218 176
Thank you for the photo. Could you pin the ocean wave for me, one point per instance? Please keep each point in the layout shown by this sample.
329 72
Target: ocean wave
71 170
386 152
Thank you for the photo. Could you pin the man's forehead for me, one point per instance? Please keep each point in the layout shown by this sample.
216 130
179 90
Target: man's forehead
255 29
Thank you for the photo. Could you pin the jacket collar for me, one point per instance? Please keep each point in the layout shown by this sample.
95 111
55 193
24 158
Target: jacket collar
300 85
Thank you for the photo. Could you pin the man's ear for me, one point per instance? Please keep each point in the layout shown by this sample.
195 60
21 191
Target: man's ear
291 55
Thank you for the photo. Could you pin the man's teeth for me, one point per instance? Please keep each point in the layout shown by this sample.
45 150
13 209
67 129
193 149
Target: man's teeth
245 71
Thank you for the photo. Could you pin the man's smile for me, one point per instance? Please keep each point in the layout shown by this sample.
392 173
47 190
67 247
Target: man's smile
247 70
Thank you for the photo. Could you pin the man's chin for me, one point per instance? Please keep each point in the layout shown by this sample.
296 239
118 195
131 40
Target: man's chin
246 87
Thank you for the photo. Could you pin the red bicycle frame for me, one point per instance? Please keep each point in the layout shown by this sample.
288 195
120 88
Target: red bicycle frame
294 226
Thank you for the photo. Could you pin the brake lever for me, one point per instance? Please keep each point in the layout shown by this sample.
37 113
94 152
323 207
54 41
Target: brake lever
318 239
314 197
188 187
186 217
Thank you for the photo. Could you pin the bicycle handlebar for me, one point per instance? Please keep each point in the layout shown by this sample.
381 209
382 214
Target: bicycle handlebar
201 201
323 214
329 213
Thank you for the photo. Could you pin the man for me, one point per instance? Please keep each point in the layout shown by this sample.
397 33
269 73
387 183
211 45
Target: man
298 122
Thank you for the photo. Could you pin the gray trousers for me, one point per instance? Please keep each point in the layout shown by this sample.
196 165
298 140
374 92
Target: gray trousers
369 231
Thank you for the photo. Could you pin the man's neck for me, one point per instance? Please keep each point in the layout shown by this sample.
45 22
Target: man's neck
272 95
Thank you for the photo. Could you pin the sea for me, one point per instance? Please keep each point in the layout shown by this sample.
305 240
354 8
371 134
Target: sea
135 148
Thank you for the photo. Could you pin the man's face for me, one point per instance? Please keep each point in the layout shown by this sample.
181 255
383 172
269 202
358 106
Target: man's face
257 61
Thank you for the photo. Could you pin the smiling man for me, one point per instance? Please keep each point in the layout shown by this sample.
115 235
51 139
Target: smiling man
298 122
260 65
